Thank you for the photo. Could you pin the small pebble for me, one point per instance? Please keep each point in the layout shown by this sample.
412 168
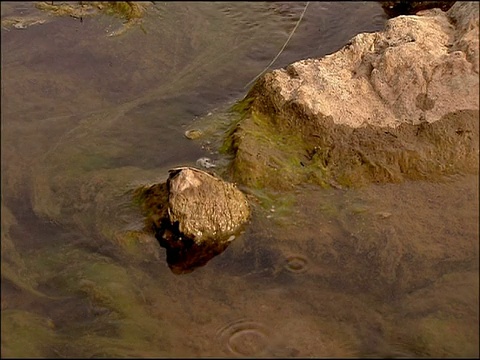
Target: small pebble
384 214
193 134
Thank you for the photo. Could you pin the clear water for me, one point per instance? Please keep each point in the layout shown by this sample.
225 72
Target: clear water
386 271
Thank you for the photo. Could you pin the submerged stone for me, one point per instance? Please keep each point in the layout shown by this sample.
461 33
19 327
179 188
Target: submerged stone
205 162
193 134
194 216
206 208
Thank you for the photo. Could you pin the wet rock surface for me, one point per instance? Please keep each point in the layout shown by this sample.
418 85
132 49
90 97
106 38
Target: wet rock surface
205 207
389 106
194 215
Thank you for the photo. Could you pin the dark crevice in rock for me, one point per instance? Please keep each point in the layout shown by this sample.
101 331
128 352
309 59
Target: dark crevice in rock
407 7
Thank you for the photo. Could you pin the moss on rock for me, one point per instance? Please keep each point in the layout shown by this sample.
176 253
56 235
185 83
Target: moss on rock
272 150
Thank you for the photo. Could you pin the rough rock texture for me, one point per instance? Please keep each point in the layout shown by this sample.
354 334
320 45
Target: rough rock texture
205 207
420 68
339 111
194 216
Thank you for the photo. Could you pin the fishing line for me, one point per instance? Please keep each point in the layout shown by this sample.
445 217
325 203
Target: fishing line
283 47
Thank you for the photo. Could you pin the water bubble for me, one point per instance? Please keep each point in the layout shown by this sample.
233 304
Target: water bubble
296 264
244 337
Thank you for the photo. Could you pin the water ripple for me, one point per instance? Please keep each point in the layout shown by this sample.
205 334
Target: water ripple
244 337
296 264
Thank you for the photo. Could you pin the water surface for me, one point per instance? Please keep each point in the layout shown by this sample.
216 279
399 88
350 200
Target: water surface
388 270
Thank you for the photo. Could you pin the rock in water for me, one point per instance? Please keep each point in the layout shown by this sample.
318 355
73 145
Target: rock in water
418 69
205 208
400 104
193 134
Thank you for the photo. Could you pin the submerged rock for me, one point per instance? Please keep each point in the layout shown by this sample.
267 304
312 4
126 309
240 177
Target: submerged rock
194 215
193 134
131 11
205 207
369 112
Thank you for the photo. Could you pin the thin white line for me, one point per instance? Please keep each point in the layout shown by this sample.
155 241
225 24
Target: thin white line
283 48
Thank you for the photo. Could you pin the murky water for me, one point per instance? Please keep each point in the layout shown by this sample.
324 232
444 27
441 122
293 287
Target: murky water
388 270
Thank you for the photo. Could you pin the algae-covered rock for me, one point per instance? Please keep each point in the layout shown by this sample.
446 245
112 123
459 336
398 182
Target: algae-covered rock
205 207
389 106
126 9
194 215
130 11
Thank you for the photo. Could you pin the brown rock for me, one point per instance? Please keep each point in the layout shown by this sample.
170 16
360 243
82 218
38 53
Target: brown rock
194 216
205 207
419 69
369 112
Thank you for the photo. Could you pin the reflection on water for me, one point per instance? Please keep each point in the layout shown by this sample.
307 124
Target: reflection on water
185 255
388 270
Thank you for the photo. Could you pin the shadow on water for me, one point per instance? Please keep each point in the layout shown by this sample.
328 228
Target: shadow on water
387 271
187 255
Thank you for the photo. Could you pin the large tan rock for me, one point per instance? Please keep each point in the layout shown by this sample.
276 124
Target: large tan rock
389 106
419 69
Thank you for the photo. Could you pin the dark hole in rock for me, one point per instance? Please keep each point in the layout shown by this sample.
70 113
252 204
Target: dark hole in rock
424 103
407 7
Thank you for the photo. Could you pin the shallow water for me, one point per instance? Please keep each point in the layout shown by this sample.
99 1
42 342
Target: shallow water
388 270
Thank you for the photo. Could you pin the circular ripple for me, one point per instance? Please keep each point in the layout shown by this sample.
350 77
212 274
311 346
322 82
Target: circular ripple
244 337
296 264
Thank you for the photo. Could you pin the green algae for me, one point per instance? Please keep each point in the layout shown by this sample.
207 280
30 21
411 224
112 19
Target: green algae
25 334
124 324
90 342
13 266
276 150
113 287
279 205
128 10
131 12
437 336
266 157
